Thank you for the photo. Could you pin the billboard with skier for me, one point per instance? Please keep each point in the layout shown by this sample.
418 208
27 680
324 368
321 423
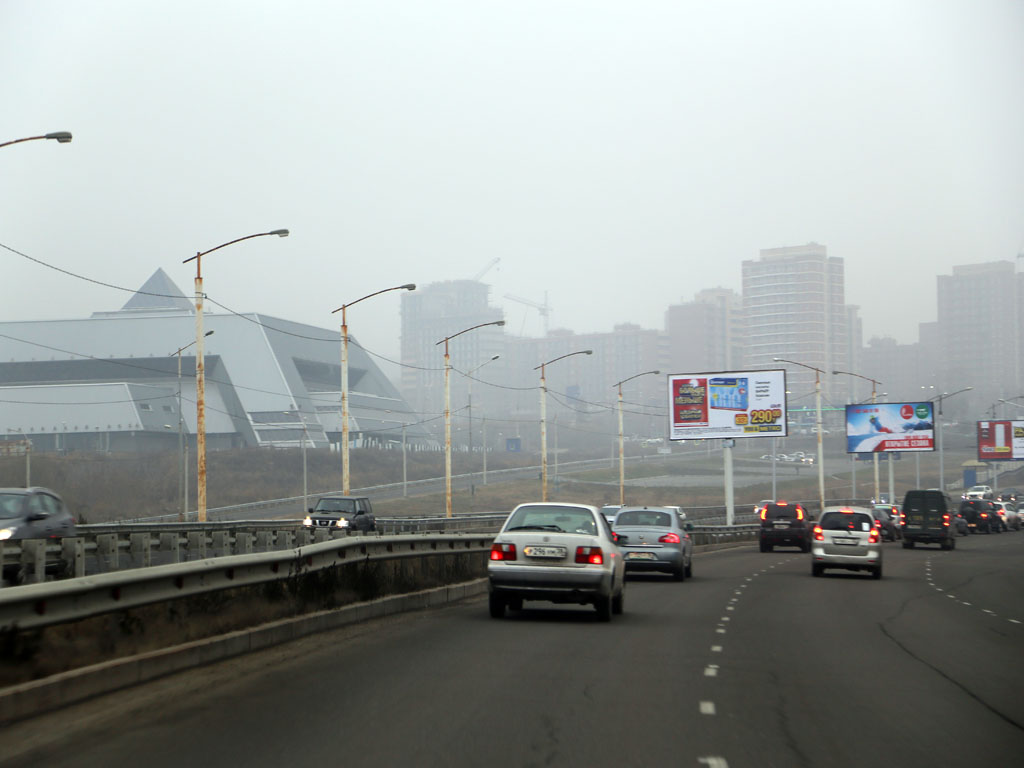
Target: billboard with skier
881 427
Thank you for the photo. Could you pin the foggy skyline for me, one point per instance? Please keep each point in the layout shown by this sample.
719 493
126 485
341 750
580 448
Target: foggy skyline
620 157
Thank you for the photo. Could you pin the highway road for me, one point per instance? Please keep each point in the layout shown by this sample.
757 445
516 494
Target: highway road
750 663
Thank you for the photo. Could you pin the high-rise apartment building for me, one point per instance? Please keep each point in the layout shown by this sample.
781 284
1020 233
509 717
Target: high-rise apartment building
794 308
979 331
706 334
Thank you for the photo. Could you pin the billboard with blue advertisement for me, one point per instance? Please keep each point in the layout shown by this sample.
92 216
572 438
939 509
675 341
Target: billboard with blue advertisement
727 404
883 427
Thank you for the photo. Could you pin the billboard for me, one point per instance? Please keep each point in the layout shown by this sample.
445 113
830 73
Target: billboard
881 427
1000 440
727 404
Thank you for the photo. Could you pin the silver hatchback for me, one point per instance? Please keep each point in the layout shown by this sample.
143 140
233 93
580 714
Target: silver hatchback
846 537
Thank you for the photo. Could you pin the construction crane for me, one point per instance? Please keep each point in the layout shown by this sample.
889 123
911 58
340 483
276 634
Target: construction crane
486 269
544 309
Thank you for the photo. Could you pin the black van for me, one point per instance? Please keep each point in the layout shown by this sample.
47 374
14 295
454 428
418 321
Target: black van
927 519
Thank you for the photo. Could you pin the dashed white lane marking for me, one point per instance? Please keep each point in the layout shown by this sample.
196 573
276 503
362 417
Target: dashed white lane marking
730 608
1014 621
951 596
718 648
726 618
711 670
713 762
966 603
707 707
720 630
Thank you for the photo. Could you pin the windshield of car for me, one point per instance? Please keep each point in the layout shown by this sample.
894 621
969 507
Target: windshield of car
556 519
10 505
845 521
651 517
336 505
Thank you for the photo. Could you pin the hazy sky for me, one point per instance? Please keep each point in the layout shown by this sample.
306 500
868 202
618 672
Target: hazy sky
619 156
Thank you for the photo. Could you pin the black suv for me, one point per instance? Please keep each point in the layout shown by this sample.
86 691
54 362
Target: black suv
784 524
342 512
981 515
928 519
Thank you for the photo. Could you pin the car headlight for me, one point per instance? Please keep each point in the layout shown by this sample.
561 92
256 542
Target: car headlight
342 522
307 521
6 533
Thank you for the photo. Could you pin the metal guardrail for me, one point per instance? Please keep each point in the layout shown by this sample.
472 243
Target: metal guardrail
39 605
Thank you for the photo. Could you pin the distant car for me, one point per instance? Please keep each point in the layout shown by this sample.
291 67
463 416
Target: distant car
1007 513
562 553
962 528
1008 494
784 524
761 505
342 512
846 537
979 492
609 511
655 539
888 517
927 519
34 513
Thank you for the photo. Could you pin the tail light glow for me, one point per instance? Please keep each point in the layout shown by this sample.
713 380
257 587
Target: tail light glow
873 536
589 555
819 534
503 551
764 513
799 512
670 538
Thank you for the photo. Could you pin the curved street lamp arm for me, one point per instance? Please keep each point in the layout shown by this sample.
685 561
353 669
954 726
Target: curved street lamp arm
278 232
407 286
570 354
62 137
467 330
635 376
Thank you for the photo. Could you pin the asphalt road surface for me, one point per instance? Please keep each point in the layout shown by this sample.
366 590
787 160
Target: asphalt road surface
750 663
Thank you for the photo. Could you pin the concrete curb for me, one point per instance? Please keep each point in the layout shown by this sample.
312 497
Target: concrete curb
27 700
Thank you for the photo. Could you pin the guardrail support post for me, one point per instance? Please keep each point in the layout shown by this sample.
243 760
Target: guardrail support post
302 537
321 534
243 543
106 551
264 540
169 543
220 544
73 555
33 560
196 545
140 549
285 540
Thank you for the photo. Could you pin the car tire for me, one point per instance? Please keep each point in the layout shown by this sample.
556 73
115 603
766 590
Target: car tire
604 608
689 569
817 570
952 543
618 601
679 574
908 545
877 573
764 547
496 604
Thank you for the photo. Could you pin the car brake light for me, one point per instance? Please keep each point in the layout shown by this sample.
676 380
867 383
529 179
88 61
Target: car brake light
945 520
503 551
799 512
589 555
764 513
873 536
819 534
670 538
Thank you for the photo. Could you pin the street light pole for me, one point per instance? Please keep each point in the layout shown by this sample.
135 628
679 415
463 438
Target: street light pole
201 373
182 488
622 457
938 434
818 426
874 399
543 420
448 413
469 401
61 137
345 474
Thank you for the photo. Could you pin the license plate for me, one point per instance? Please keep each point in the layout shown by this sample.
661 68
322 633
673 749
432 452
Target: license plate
845 540
641 556
558 552
781 523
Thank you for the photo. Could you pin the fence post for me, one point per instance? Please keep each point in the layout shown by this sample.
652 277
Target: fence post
73 556
106 551
140 549
219 543
197 545
169 543
243 543
33 560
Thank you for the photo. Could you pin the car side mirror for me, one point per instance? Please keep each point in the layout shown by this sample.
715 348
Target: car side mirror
688 527
34 517
311 510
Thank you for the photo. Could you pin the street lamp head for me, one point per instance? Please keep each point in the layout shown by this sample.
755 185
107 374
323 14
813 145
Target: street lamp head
62 137
279 232
409 286
208 333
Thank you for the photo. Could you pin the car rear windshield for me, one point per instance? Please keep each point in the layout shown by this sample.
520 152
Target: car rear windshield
783 511
846 521
555 519
650 517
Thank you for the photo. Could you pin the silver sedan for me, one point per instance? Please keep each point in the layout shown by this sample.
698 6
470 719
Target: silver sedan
655 539
561 553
